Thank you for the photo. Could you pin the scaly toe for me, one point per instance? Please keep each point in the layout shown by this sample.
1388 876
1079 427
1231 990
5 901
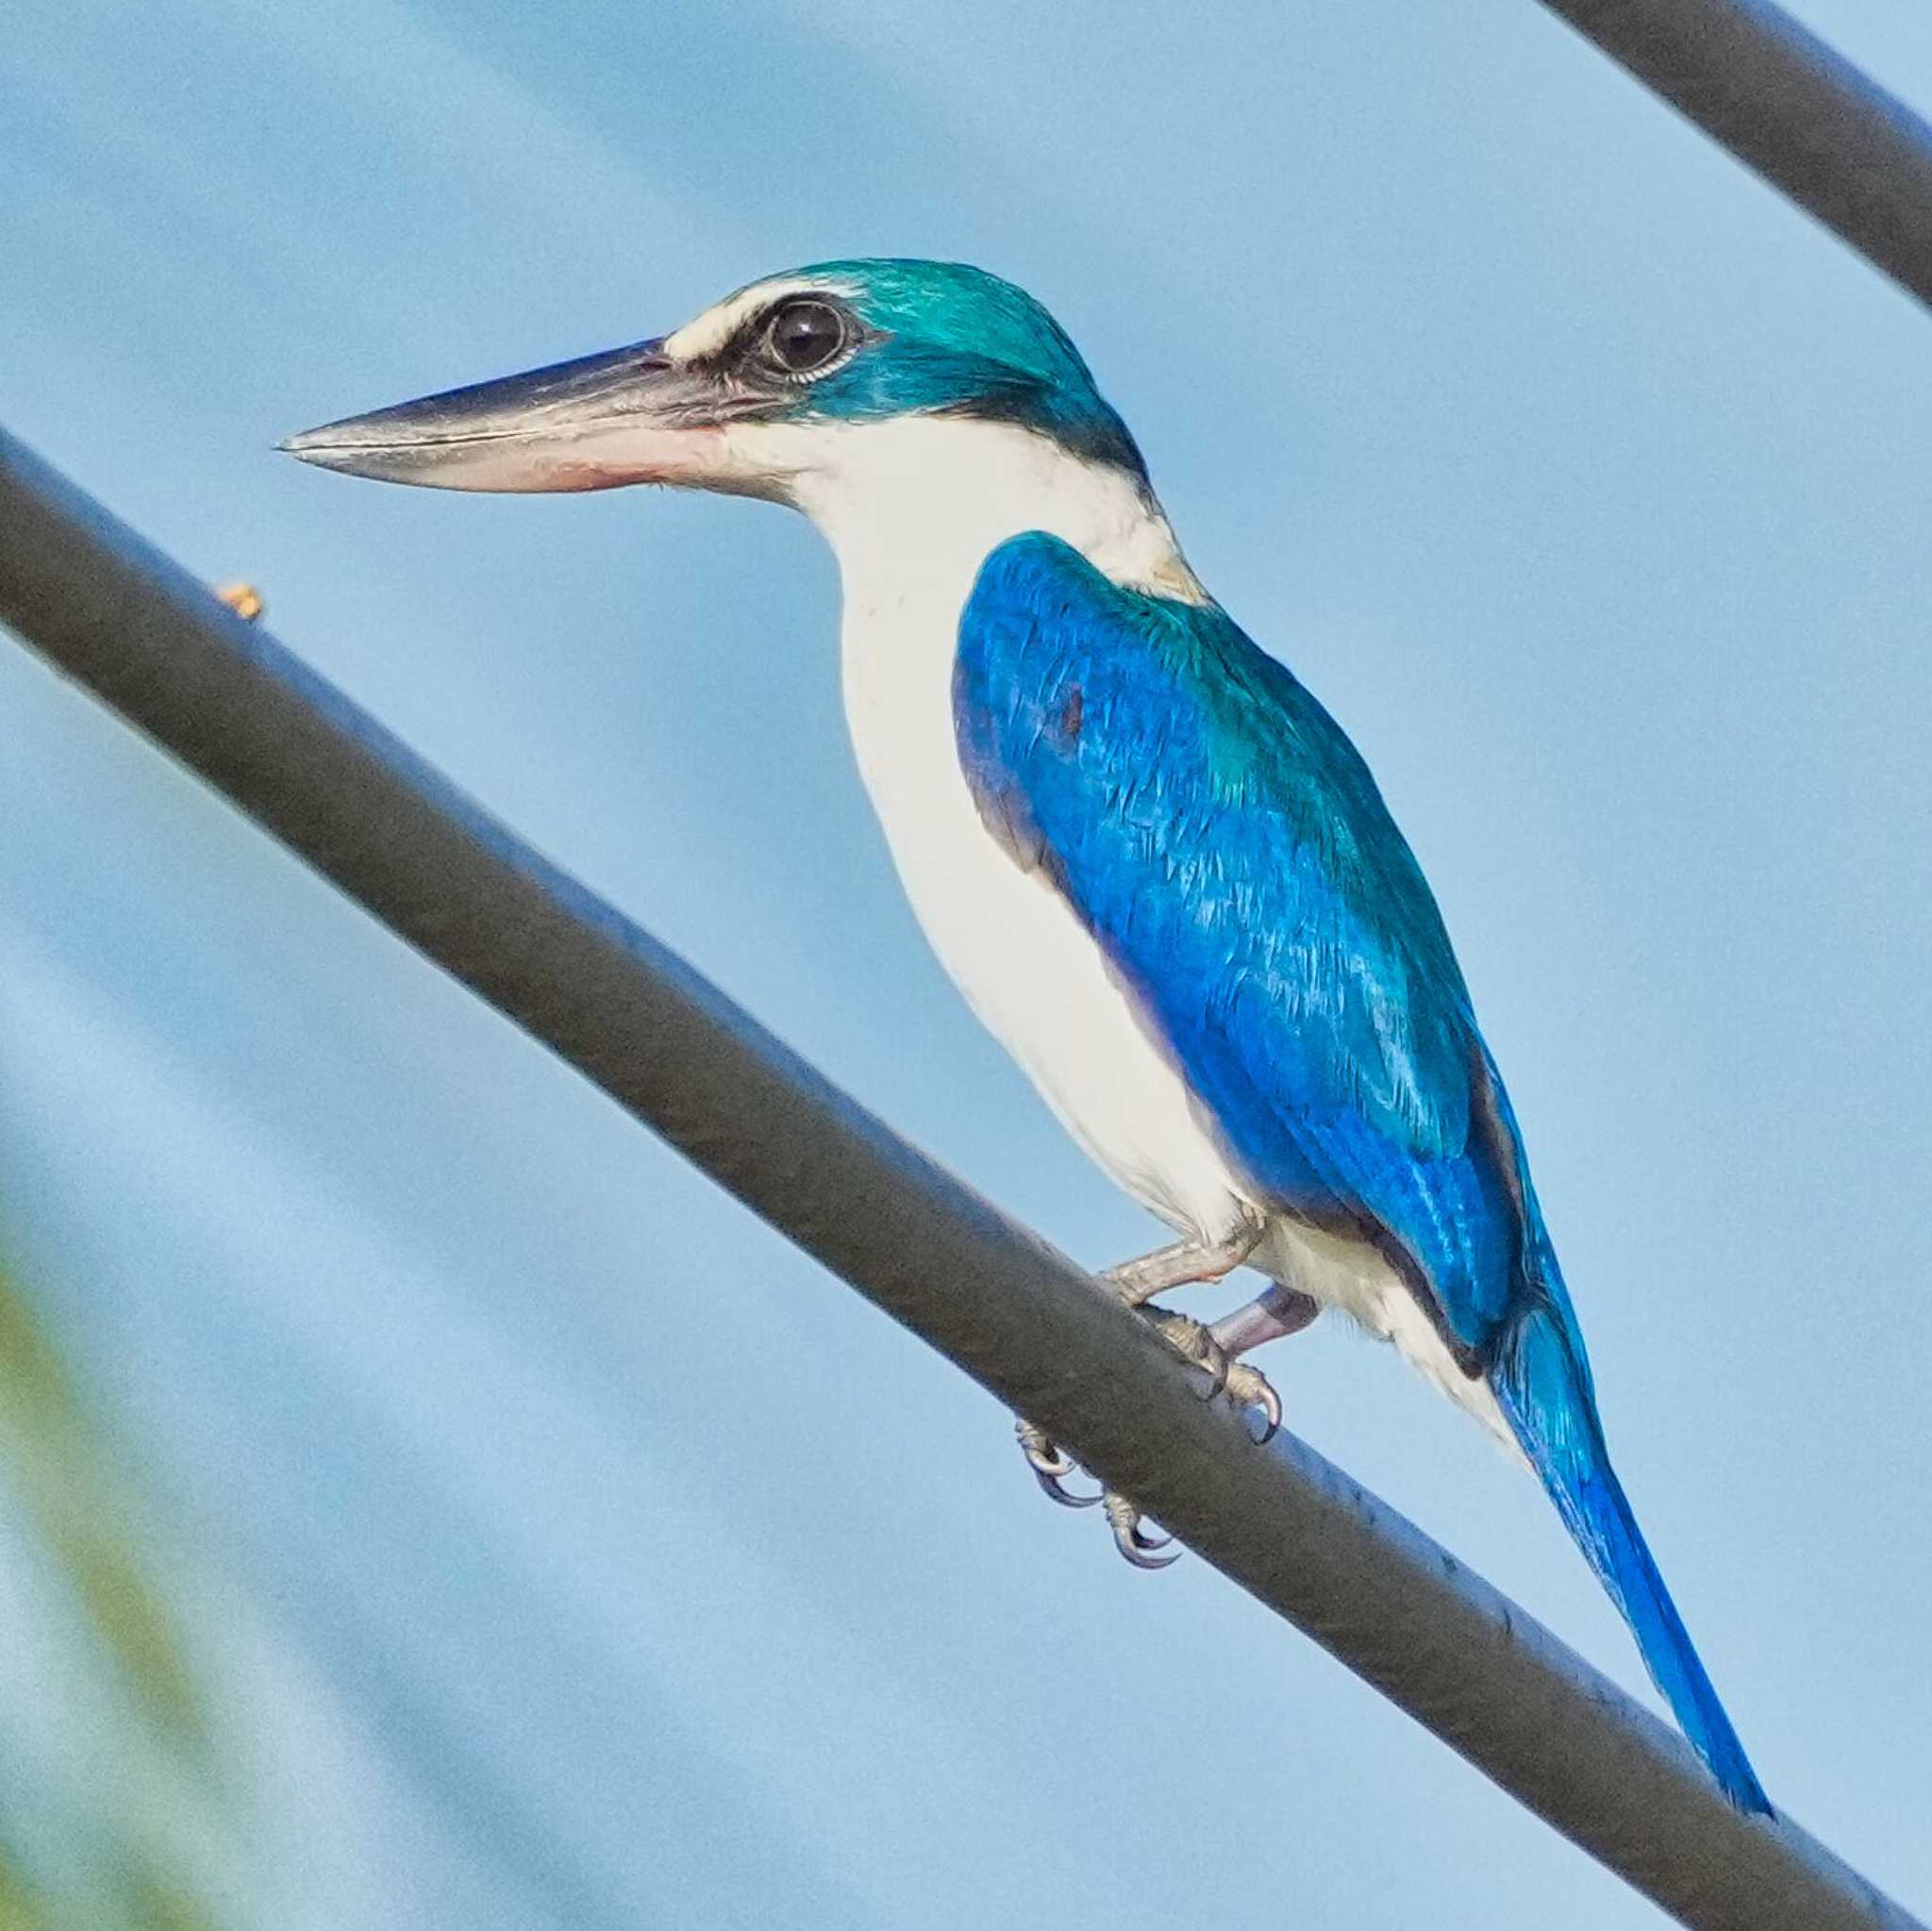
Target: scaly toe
1191 1339
1050 1466
1130 1539
1248 1388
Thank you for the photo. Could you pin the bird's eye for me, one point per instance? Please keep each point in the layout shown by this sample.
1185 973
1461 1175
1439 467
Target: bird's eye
804 336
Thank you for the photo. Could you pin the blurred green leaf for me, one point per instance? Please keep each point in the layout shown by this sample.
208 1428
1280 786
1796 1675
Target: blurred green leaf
123 1836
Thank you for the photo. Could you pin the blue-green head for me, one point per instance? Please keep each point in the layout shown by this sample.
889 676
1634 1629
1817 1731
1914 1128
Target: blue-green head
736 395
890 337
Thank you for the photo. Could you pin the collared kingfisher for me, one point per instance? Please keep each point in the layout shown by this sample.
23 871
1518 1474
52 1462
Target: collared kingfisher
1158 870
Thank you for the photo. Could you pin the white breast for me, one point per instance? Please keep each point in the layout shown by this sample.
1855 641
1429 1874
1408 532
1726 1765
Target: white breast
912 509
1023 962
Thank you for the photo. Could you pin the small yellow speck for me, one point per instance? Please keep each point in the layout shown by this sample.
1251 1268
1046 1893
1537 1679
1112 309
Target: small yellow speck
242 598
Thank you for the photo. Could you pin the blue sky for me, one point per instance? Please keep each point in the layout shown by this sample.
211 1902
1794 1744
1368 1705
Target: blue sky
560 1547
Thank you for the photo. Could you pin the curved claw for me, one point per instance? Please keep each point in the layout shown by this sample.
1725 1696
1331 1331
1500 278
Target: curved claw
1053 1487
1141 1561
1270 1404
1131 1540
1050 1466
1249 1389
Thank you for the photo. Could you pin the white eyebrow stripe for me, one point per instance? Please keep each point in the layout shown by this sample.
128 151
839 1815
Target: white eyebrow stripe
706 334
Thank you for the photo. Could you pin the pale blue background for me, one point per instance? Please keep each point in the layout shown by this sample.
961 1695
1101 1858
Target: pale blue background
564 1549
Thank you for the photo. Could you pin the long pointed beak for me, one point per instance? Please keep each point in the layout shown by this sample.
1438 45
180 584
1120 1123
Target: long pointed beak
627 416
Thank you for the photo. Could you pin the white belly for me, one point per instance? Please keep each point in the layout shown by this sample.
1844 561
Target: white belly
1025 963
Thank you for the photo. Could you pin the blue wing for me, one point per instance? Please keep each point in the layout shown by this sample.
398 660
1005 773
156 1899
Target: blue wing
1223 840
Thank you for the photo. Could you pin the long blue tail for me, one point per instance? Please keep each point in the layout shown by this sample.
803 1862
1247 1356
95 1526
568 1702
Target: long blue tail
1542 1382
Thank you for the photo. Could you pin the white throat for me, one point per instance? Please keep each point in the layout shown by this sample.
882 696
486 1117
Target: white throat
906 501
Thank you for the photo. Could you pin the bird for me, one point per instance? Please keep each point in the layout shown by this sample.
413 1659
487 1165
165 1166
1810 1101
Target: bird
1157 868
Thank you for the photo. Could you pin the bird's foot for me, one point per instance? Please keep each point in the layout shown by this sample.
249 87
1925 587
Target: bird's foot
1130 1538
1246 1388
1051 1465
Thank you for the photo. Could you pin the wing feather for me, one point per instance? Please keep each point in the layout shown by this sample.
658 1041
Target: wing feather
1219 835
